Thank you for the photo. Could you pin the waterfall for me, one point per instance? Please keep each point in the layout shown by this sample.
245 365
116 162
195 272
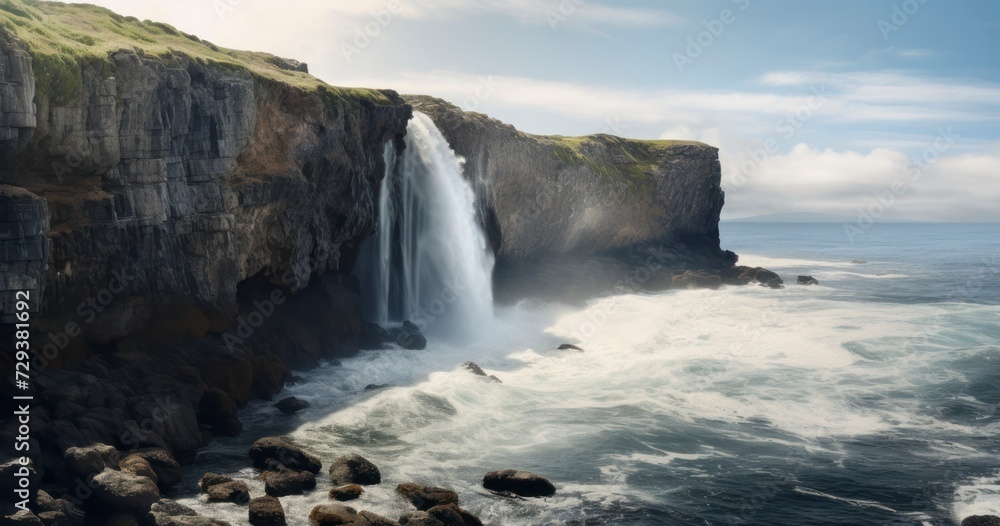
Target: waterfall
429 261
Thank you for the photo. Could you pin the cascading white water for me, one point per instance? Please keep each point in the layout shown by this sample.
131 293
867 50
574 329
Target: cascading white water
429 261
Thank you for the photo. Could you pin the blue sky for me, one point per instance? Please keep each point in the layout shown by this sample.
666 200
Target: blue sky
832 107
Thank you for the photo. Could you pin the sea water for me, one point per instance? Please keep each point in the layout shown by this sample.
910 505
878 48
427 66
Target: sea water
871 398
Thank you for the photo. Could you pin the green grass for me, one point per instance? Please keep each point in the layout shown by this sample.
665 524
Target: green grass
64 38
642 157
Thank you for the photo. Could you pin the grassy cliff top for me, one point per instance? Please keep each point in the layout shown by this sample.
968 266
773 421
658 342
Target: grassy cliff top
61 37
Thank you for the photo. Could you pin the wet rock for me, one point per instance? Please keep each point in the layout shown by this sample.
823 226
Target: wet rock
475 369
409 337
807 280
212 479
419 518
373 336
83 461
266 511
376 387
171 508
696 280
118 491
354 469
452 515
426 497
522 483
218 410
981 520
332 515
166 520
283 451
21 518
742 275
568 346
346 492
291 405
236 492
8 482
287 482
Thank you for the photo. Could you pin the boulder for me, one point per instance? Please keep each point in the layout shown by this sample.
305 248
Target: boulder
522 483
212 479
569 346
236 492
475 369
452 515
83 461
981 520
171 508
419 518
367 518
354 469
287 482
426 497
283 451
116 491
373 336
376 387
166 520
291 405
137 465
20 518
332 515
218 410
8 482
807 280
691 279
346 492
168 470
266 511
409 337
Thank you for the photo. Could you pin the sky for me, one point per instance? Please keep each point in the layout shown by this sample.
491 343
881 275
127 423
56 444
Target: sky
874 109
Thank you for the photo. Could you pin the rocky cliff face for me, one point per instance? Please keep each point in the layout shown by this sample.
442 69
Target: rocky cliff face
548 195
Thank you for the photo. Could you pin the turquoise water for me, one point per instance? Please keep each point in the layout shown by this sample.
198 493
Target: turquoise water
869 399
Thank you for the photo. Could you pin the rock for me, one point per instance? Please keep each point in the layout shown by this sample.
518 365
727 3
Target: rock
475 369
212 479
168 470
376 387
568 346
236 492
56 518
283 451
332 515
419 518
137 465
452 515
171 508
266 511
354 469
83 461
346 492
522 483
373 336
981 520
807 280
117 491
741 275
287 482
426 497
165 520
409 337
696 280
291 405
8 481
218 410
21 518
367 518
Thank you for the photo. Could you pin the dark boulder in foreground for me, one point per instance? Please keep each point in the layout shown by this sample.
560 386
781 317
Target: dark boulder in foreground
346 492
266 511
373 336
212 479
568 346
521 483
426 497
807 280
981 520
291 405
354 469
409 337
283 451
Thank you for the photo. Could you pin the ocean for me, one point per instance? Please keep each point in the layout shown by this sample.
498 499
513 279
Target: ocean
871 398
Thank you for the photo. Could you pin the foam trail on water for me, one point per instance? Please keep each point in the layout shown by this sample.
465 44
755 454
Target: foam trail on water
429 261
